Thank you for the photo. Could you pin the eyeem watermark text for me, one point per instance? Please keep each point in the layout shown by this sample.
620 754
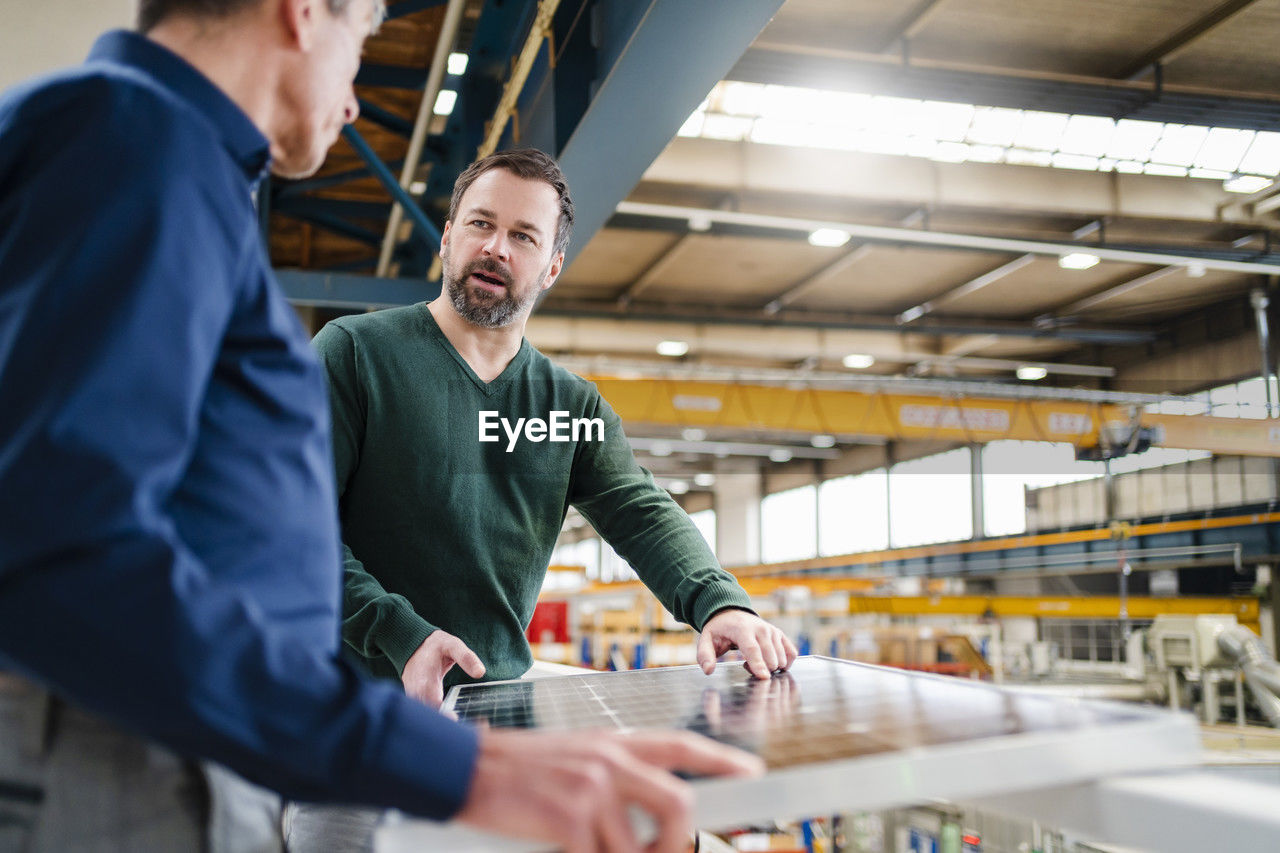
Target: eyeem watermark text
558 427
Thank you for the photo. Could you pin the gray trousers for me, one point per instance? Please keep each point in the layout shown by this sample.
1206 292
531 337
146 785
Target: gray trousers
72 782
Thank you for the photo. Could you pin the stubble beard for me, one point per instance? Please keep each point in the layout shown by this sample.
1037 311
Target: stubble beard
480 307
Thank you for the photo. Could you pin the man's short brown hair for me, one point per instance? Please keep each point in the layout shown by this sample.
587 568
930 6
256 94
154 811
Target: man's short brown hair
152 12
530 164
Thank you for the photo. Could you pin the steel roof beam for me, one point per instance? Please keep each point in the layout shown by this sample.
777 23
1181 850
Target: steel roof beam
971 286
1096 299
1169 49
911 24
625 127
952 240
795 291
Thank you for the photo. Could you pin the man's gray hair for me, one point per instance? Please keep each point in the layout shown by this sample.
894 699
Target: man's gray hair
152 12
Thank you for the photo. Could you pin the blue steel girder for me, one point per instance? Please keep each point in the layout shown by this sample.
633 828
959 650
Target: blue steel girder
408 7
656 62
353 291
624 78
424 226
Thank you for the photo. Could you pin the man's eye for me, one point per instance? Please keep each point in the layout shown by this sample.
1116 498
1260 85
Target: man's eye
479 223
520 235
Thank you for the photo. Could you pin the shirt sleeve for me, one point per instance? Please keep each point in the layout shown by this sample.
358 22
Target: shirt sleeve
375 622
111 312
648 529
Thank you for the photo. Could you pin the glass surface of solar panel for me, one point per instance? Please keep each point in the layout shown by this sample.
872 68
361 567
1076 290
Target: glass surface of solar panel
822 709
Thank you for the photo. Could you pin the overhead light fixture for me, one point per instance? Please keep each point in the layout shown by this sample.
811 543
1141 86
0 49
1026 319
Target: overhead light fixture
822 441
704 479
1247 184
660 448
1195 270
700 222
457 63
444 102
418 187
693 434
858 360
828 237
780 454
673 349
1078 261
1031 373
678 487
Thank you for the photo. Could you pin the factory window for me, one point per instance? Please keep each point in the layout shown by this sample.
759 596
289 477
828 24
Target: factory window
930 500
956 133
789 525
1009 468
705 521
853 514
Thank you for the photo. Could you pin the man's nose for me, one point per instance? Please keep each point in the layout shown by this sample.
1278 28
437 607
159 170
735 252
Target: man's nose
498 245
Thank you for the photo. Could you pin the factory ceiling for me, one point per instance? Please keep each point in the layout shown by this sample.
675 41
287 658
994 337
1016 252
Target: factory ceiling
940 188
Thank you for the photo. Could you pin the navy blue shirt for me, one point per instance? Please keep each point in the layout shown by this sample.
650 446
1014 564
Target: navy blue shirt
169 548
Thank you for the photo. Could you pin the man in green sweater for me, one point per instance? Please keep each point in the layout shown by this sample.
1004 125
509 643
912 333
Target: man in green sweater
459 448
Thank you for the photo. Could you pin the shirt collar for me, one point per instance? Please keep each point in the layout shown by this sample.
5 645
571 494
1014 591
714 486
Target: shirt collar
240 135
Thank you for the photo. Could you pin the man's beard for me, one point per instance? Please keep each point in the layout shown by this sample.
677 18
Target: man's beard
480 307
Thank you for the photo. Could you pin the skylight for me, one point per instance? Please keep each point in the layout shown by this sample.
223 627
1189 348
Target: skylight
958 133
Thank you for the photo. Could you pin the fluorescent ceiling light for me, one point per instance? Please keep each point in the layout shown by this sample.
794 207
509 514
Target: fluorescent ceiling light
445 100
457 63
704 479
678 487
700 222
660 448
693 434
858 360
1029 373
822 441
1195 270
418 187
1078 261
780 454
1246 184
674 349
829 237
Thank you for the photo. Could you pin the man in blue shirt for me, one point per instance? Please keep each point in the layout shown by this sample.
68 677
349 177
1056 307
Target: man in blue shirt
169 550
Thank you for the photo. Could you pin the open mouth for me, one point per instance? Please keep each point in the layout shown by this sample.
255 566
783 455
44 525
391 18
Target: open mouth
488 281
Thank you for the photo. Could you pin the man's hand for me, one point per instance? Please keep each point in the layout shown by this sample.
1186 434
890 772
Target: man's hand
424 673
574 788
765 648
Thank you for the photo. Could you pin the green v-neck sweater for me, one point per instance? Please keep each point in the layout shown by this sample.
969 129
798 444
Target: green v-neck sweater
443 530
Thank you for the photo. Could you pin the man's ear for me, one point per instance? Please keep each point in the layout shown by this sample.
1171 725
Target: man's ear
553 272
444 239
299 20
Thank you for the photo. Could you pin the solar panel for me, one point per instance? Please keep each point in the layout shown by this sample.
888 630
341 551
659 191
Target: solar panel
842 736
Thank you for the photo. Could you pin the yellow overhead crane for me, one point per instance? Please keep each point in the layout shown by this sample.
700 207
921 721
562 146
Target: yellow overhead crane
806 411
